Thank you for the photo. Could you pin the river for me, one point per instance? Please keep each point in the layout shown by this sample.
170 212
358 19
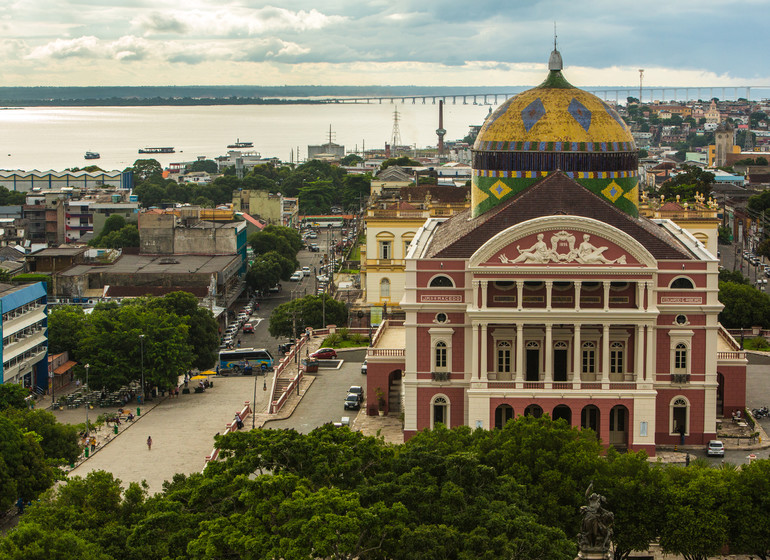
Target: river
56 138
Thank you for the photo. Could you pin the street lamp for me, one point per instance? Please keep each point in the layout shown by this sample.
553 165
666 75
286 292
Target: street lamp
87 425
141 347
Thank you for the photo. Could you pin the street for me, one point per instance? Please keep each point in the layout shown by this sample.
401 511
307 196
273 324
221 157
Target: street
323 403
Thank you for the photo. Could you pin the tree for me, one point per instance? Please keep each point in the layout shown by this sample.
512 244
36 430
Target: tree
633 488
290 234
351 160
24 472
732 276
285 266
262 275
696 522
317 197
207 165
12 396
304 312
265 241
745 306
65 323
128 236
59 442
115 222
750 499
202 327
11 198
764 248
110 343
686 184
145 169
403 161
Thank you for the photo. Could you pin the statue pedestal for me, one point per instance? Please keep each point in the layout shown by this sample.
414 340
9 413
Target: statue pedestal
597 555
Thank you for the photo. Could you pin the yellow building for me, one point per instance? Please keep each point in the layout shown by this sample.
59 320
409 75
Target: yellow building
262 204
391 224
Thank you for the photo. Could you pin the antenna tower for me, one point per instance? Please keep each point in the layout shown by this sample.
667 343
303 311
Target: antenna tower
331 137
396 135
641 76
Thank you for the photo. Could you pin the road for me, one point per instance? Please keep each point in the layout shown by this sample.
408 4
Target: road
323 402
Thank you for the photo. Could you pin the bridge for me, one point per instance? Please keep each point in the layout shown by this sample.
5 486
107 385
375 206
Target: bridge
616 94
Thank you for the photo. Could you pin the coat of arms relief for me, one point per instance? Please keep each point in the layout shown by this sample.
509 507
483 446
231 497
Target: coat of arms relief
562 250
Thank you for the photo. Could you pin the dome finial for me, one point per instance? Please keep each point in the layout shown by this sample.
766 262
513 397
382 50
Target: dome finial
555 63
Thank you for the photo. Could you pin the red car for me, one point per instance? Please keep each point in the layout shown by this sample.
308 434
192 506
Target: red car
248 328
324 354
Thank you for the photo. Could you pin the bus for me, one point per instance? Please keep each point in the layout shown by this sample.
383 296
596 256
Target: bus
244 359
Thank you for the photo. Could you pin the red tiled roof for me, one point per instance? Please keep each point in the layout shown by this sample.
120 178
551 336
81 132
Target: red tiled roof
461 235
64 368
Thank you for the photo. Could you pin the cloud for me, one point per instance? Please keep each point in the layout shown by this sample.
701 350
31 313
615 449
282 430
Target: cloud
233 22
87 47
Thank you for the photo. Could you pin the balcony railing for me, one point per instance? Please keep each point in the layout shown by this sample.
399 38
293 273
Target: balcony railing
680 378
440 375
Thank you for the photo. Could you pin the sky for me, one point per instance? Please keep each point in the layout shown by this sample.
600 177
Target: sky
381 42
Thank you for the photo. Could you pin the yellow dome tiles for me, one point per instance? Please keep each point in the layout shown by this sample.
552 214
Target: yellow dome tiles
554 126
566 116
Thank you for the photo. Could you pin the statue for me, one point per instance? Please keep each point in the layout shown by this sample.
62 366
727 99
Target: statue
596 527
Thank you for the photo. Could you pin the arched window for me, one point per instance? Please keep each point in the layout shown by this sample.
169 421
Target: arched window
504 357
682 284
441 282
384 288
439 411
679 412
533 410
680 358
440 354
503 413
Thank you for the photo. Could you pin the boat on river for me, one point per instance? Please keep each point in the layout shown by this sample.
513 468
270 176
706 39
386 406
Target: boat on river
92 155
239 145
165 150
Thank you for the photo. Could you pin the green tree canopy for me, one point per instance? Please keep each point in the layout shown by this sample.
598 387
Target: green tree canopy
12 395
65 323
403 161
745 306
145 169
207 165
59 442
309 312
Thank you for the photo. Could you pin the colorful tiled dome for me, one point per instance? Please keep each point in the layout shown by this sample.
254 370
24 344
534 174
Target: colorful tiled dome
554 126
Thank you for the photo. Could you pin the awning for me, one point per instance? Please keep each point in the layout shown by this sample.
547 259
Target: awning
62 369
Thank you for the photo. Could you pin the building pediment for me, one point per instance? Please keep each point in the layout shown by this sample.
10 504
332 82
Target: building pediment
562 241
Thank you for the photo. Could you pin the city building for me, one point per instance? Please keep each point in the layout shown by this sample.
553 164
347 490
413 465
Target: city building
41 181
24 332
551 295
269 207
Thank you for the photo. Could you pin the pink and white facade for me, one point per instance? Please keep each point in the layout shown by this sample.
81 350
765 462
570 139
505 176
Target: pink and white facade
557 303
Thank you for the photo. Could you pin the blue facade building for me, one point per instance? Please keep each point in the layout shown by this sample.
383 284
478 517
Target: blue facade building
24 330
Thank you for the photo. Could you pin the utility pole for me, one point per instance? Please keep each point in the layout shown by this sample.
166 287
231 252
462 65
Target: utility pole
88 366
641 76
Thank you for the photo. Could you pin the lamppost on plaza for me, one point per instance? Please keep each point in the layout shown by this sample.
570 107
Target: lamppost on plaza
141 349
87 404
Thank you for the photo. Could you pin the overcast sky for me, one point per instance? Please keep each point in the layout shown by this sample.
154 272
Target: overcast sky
382 42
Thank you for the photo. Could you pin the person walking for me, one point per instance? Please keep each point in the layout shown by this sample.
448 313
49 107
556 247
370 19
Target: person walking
149 443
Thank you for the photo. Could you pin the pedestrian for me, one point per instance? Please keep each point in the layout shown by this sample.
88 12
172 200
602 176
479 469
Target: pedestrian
149 443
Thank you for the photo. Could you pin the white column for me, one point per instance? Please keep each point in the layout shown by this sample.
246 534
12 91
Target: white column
578 285
577 355
638 352
651 303
520 293
484 369
649 370
640 295
548 353
519 351
475 356
476 293
607 295
484 286
548 294
606 353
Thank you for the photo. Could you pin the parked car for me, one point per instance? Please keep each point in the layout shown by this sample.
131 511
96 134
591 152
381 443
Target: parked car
715 448
352 402
324 354
248 328
364 368
357 390
297 276
314 248
306 271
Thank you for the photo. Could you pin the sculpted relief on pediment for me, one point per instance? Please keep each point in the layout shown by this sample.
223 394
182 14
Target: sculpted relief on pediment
560 247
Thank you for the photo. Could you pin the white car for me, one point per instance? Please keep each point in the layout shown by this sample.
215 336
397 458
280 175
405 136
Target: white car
297 276
715 448
306 271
